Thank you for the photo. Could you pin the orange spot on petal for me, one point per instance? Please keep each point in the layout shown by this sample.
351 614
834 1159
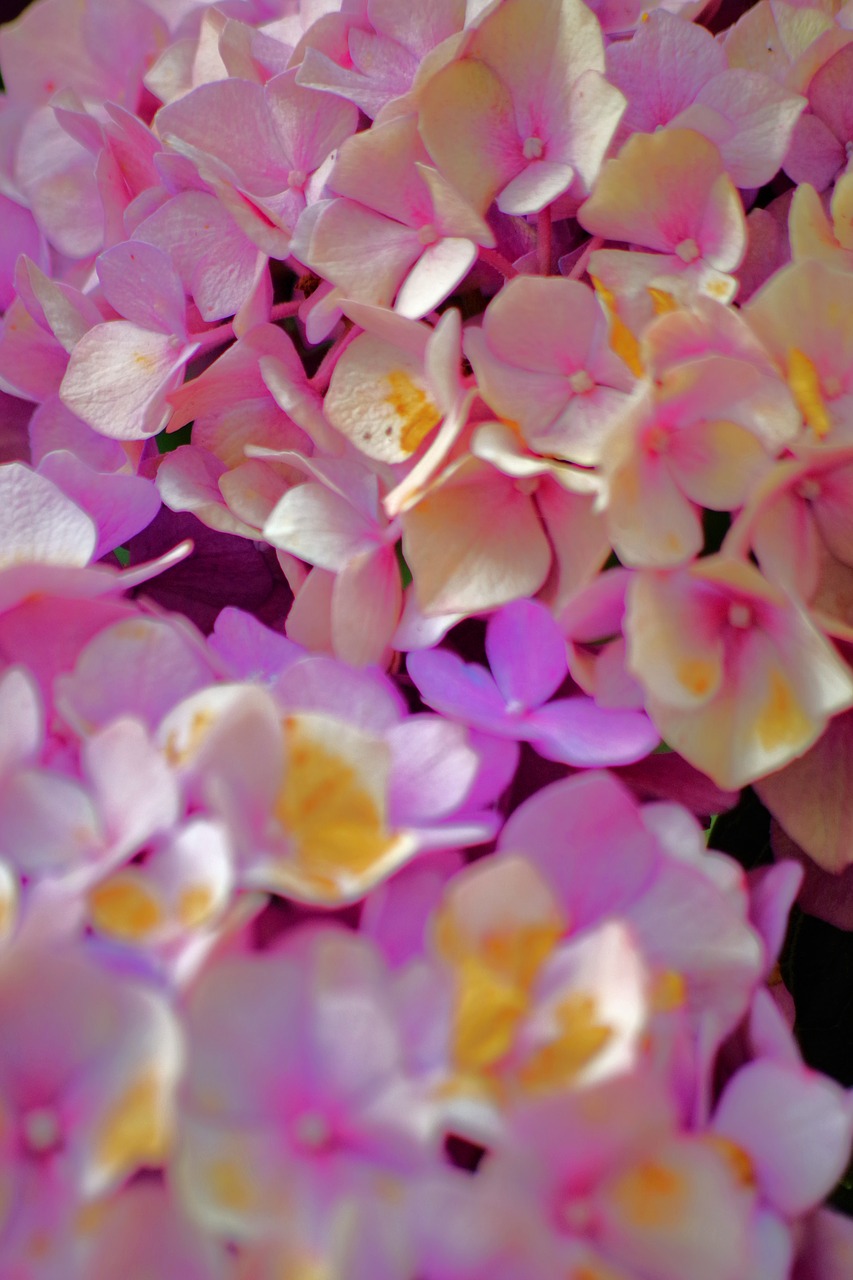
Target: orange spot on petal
417 413
696 675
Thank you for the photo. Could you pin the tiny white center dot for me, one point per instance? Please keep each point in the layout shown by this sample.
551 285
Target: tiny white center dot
581 382
41 1129
687 250
740 615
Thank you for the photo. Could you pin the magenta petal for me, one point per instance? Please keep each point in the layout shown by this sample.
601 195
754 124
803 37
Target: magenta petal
565 827
527 653
577 731
456 688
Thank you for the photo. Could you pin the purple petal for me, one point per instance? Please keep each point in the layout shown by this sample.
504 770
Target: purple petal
460 689
578 732
527 653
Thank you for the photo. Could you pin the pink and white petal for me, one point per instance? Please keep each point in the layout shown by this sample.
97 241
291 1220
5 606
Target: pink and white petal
378 169
309 622
433 767
772 892
578 732
814 155
362 252
786 543
762 115
21 718
717 464
227 120
309 125
380 399
526 652
545 324
583 132
721 228
366 603
538 185
66 312
39 524
417 631
656 190
188 480
321 684
474 542
562 829
661 68
118 377
49 824
650 520
705 1237
140 282
192 873
251 650
168 664
119 505
452 214
128 1098
317 525
465 110
217 264
136 791
437 272
32 362
675 647
795 1124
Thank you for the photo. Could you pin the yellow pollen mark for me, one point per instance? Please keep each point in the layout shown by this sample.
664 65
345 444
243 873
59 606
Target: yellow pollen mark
517 954
144 361
178 754
136 1131
488 1011
662 301
696 675
581 1037
805 388
739 1162
195 905
669 992
89 1218
651 1195
782 721
622 340
124 908
230 1186
717 289
324 806
417 413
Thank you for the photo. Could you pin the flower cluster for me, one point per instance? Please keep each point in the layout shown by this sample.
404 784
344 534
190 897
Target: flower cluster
426 500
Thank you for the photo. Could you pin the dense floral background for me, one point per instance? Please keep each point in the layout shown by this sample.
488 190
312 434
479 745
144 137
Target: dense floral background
426 609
